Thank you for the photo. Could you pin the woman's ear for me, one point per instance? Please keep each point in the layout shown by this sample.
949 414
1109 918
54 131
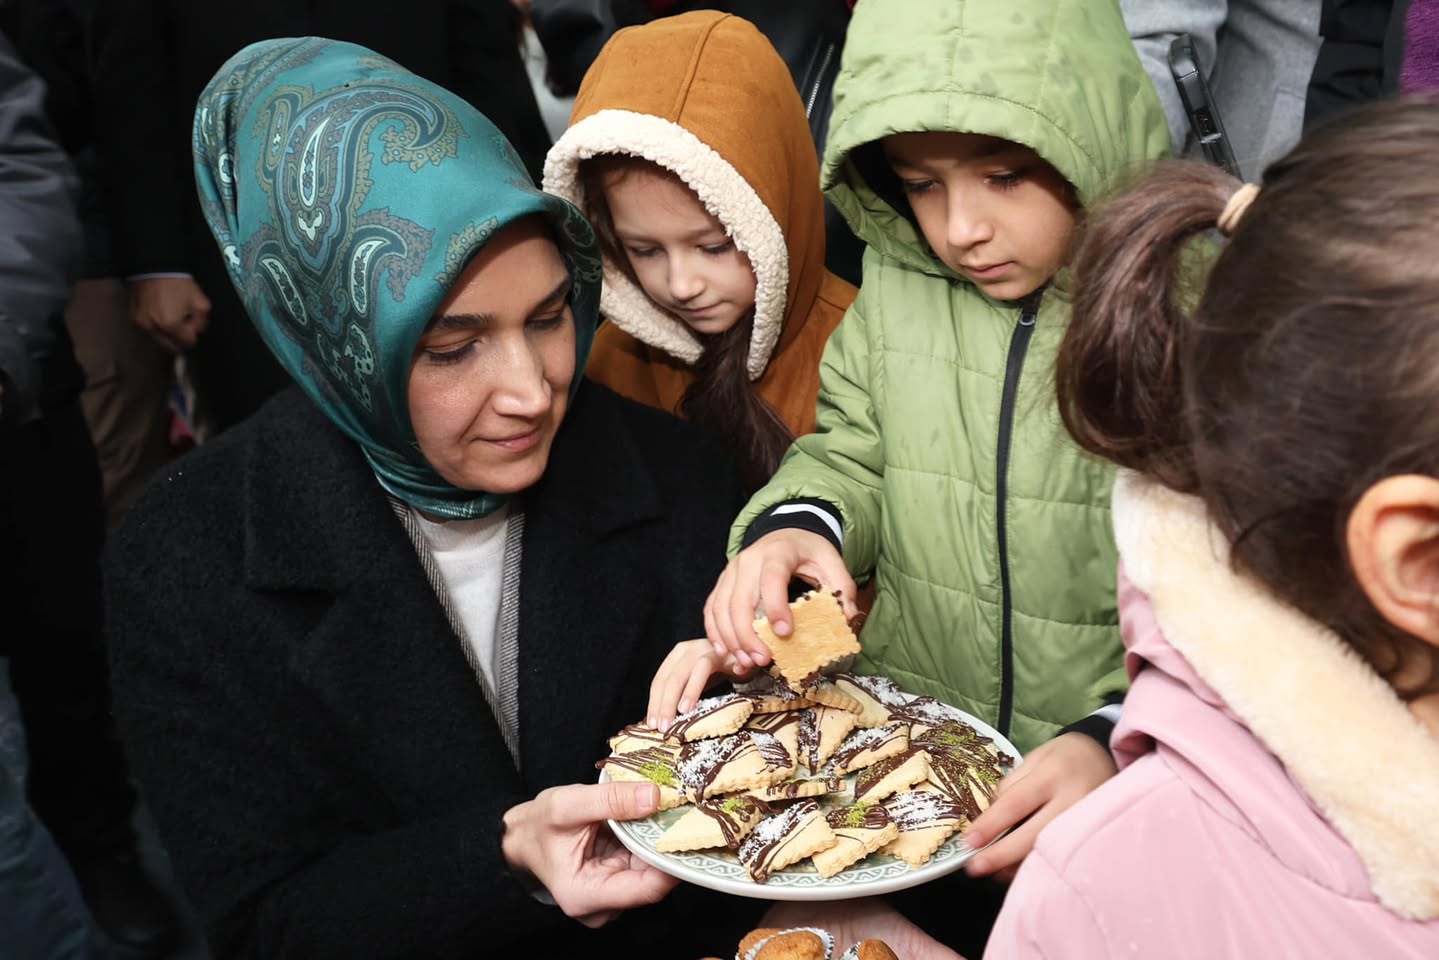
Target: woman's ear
1393 541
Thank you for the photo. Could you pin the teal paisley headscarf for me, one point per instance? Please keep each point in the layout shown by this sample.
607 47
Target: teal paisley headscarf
347 195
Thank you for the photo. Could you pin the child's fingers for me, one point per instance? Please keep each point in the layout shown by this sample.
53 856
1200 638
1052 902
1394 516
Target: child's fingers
828 568
741 613
1009 852
1016 798
717 622
664 693
694 687
774 578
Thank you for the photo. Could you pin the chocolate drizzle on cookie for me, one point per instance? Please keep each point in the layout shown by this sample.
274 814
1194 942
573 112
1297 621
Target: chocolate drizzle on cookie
926 711
871 776
702 711
882 689
765 841
919 809
868 739
964 764
733 815
655 764
861 816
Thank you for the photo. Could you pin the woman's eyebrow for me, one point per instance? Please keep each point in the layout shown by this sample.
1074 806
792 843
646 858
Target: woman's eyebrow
465 321
559 293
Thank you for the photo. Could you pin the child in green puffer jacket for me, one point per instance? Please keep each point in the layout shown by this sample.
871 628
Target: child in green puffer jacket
967 139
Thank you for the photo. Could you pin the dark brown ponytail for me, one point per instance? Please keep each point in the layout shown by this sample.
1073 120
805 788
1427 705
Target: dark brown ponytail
1306 371
1137 274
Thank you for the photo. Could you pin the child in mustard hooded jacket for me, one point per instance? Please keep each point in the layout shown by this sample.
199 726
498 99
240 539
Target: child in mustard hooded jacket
690 151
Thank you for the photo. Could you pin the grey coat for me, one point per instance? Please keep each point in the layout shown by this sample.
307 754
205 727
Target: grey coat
1258 56
40 243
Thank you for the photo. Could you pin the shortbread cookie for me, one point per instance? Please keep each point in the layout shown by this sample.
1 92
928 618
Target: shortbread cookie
637 736
859 830
821 637
776 698
821 731
876 696
787 727
712 823
785 838
870 745
824 691
922 713
795 943
799 787
926 819
732 764
711 717
964 764
658 765
891 775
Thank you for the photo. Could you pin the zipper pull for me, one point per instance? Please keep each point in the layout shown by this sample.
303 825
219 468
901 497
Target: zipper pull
1029 309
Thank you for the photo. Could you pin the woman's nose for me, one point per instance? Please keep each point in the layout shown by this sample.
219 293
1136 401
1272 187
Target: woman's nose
524 390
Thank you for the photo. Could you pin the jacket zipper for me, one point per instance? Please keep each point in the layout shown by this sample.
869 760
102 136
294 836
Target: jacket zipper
819 77
1013 367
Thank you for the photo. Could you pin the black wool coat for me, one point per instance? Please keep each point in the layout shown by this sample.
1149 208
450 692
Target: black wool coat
317 752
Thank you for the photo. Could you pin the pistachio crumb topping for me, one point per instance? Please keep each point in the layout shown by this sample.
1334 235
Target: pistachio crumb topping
856 816
660 773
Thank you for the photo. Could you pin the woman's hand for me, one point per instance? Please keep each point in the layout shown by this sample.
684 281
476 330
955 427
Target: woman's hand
682 678
758 579
1053 778
560 837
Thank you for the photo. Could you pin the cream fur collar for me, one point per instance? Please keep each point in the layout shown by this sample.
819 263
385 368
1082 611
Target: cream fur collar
725 194
1339 730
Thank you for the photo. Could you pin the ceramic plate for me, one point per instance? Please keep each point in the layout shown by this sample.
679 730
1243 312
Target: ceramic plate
721 870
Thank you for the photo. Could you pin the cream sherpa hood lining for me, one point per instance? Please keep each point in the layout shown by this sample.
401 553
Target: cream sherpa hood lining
724 193
1337 727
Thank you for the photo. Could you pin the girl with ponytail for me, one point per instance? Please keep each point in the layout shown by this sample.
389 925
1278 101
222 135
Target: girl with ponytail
1277 518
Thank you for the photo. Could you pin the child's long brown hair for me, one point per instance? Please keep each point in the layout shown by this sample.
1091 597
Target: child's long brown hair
721 400
1307 370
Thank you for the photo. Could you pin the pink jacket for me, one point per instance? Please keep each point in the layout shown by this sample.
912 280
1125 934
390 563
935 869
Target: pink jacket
1275 798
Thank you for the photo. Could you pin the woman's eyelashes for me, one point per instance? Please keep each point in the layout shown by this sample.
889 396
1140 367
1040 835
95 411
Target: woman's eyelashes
916 187
549 322
452 355
455 353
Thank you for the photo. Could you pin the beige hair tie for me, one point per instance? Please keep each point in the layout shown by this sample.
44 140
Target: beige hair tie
1239 202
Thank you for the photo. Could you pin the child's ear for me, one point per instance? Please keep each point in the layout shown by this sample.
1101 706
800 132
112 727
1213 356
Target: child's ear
1393 540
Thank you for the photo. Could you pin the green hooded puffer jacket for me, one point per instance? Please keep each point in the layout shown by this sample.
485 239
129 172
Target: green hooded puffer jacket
986 530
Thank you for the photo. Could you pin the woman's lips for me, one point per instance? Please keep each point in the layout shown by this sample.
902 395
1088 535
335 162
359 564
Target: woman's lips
520 442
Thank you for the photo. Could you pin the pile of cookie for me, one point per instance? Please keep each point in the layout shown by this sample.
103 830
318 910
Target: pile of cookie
804 764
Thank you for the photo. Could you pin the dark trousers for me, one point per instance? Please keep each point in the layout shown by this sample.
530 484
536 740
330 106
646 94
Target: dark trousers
51 532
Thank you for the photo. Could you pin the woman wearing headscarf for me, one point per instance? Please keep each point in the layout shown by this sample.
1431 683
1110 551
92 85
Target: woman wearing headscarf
369 645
